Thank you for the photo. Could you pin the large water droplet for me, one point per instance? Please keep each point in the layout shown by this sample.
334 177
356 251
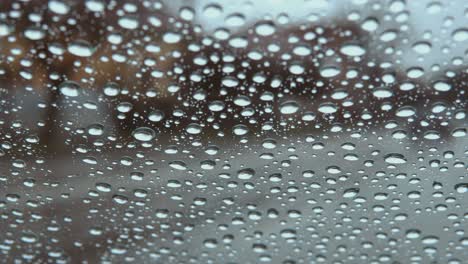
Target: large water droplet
178 165
352 50
329 71
350 193
245 174
80 48
58 7
327 108
460 35
69 88
442 86
461 187
289 107
144 134
265 28
395 158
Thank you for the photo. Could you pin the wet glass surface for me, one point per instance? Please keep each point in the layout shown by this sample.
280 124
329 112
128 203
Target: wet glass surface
219 131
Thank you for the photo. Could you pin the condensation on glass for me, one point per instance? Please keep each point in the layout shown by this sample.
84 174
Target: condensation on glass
218 131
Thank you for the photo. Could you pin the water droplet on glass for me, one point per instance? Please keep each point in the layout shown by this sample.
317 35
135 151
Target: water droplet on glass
350 193
329 71
144 134
460 35
265 28
245 174
461 188
395 158
352 50
442 86
69 88
80 48
289 107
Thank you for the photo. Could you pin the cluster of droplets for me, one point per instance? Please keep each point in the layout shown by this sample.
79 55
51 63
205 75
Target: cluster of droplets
206 132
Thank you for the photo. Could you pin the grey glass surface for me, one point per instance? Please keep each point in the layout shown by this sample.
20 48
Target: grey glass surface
221 131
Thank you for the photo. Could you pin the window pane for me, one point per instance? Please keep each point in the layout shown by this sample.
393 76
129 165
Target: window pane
218 131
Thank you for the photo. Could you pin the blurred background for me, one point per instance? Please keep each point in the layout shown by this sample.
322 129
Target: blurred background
233 131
